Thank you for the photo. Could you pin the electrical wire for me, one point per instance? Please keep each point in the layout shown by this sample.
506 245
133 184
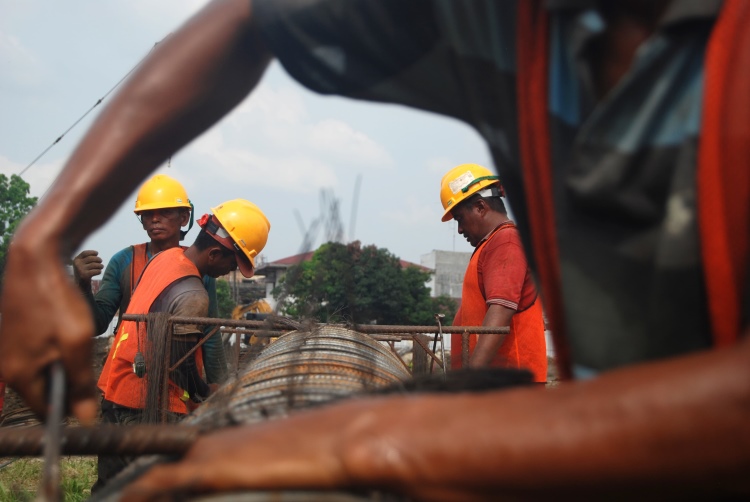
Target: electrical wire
99 101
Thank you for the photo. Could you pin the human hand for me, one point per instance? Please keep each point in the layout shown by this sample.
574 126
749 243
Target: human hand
45 319
87 265
303 452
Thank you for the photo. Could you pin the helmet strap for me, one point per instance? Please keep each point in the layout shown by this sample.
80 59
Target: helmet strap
477 180
183 233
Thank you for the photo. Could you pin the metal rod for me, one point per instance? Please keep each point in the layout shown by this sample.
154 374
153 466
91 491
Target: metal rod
395 352
196 347
103 439
465 349
427 350
362 328
395 337
52 432
164 398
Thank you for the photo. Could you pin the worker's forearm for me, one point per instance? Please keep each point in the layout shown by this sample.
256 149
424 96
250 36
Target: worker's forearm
190 80
488 345
215 359
679 426
186 375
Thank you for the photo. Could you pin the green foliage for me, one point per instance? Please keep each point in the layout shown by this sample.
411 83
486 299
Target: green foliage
15 203
224 299
19 480
360 284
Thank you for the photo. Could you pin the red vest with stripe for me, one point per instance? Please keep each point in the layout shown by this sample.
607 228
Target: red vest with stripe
723 176
117 381
524 347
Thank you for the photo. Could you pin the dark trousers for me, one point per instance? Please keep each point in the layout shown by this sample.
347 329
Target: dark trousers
109 466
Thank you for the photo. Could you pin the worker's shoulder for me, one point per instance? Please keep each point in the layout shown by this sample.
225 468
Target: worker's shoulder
187 297
506 234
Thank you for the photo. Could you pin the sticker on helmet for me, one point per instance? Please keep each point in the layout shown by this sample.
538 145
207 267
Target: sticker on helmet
457 184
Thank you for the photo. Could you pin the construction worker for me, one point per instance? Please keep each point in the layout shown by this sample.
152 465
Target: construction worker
498 289
230 237
619 130
163 207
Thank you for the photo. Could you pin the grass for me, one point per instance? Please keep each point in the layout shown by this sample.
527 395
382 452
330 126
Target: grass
19 481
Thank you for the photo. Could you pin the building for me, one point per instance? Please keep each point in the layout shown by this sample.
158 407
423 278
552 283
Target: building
448 269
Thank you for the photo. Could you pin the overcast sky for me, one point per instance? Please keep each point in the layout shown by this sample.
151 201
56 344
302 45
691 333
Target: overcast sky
278 149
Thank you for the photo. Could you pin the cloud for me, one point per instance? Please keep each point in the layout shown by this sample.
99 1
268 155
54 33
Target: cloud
21 67
438 166
270 141
413 212
338 140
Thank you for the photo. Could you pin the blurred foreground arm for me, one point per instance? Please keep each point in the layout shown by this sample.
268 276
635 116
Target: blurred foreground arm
192 79
673 429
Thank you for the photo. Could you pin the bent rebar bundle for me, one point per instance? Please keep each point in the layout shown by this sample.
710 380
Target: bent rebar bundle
299 370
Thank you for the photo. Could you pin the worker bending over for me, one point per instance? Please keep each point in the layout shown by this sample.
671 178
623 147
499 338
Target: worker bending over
163 207
498 288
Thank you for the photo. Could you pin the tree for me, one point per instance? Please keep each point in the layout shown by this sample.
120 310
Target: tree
348 282
15 203
224 299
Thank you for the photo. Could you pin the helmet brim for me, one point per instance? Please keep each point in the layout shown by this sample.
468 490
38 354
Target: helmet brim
244 264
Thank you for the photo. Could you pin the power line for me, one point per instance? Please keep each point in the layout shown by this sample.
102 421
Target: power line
99 101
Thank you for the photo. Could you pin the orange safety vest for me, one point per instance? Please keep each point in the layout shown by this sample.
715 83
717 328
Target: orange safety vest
117 381
524 347
140 260
723 176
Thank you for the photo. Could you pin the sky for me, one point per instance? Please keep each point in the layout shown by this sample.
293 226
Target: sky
279 149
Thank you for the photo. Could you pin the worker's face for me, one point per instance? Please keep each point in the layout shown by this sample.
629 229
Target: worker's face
220 263
163 225
469 222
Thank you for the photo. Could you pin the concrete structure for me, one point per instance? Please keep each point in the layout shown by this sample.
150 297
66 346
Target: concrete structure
449 268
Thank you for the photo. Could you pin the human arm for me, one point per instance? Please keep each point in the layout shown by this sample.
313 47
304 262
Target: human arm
186 298
189 82
108 300
678 428
487 345
214 357
186 375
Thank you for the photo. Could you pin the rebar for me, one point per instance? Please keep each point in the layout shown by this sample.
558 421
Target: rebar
362 328
102 439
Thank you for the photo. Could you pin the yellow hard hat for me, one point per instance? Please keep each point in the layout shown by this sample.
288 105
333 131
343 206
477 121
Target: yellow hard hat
161 192
462 182
246 226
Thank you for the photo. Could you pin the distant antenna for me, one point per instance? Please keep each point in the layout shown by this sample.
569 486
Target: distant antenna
300 222
355 202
